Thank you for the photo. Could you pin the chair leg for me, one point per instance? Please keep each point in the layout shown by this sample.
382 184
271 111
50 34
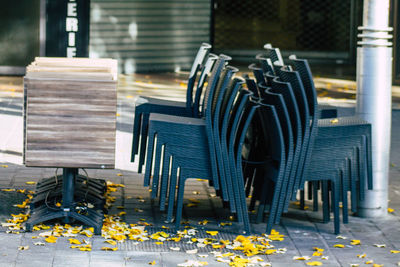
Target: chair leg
149 161
179 203
136 130
345 207
315 195
325 203
172 191
335 204
164 180
158 161
145 126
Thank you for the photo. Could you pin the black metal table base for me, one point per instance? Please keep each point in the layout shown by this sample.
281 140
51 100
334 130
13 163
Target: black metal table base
77 193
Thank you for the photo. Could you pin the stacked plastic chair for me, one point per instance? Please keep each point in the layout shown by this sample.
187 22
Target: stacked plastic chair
325 157
202 147
146 105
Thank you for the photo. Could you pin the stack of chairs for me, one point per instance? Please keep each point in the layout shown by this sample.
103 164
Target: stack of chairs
265 137
331 154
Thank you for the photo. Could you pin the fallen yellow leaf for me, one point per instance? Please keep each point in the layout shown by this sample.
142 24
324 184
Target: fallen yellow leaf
314 263
74 241
369 262
390 210
152 263
30 182
23 247
109 249
302 258
4 166
338 246
395 251
377 265
361 256
317 254
213 233
111 242
51 239
355 242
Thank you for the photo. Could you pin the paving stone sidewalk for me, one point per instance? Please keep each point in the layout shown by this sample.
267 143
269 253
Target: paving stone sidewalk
303 230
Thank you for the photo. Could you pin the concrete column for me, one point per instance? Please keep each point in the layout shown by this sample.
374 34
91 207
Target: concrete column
374 98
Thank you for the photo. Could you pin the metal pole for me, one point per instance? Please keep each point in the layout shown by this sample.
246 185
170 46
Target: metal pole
374 102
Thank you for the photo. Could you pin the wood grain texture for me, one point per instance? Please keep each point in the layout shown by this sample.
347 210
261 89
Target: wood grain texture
70 117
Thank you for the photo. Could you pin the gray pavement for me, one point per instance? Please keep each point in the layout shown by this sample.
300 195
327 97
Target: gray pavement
302 230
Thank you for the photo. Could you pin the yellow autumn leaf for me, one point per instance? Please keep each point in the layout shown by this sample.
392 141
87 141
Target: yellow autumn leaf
314 263
85 248
333 121
8 190
111 242
152 263
4 166
213 233
354 264
120 174
122 213
317 249
361 256
74 241
395 251
109 249
317 254
355 242
369 262
338 246
159 243
270 251
377 265
204 222
189 205
30 182
23 247
51 239
390 210
301 258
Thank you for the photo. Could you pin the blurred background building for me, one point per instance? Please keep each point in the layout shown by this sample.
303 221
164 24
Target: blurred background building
163 35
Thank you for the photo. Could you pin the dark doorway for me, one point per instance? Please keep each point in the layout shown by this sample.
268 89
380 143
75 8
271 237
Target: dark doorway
19 34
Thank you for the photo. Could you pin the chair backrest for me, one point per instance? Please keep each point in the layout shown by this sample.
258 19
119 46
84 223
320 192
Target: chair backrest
285 89
304 70
196 66
278 102
269 77
266 63
245 119
211 86
212 58
258 74
251 85
274 54
293 78
272 132
228 109
236 114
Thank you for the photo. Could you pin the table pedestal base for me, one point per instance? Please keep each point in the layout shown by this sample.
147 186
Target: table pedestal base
82 200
